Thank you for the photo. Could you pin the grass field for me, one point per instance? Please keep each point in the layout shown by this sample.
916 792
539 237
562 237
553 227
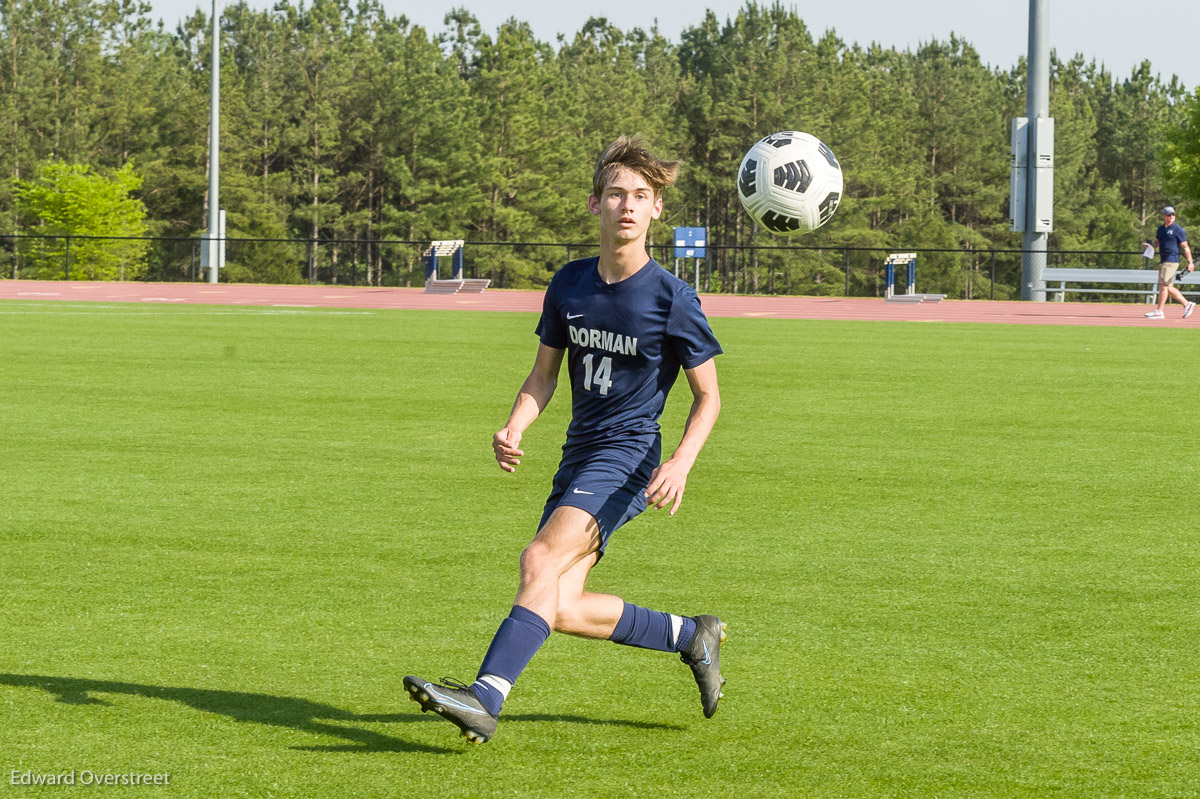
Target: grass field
956 561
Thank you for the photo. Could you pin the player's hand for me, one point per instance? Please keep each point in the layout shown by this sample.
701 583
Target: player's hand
505 445
667 485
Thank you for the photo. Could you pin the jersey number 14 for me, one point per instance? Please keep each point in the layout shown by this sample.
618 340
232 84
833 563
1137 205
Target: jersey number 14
602 377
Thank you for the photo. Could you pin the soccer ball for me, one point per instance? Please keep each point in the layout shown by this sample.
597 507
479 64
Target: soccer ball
790 182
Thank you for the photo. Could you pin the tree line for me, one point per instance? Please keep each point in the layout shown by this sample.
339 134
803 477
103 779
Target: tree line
340 122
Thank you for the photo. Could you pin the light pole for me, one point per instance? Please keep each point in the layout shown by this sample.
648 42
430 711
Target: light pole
214 150
1039 166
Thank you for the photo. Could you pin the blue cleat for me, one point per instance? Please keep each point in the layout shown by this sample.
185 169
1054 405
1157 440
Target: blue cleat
703 655
454 702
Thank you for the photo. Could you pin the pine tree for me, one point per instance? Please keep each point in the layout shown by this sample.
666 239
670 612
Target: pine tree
1181 153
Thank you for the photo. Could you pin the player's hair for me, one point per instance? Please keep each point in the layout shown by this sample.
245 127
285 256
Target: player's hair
629 152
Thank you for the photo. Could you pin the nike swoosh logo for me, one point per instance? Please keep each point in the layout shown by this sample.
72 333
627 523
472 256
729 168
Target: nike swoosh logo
445 700
707 657
575 316
590 493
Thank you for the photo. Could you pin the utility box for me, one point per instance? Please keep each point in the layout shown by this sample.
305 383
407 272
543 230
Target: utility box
1042 190
1031 176
1018 165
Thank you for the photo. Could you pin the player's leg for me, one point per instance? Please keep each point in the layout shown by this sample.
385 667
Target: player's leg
569 540
607 617
583 613
697 639
568 536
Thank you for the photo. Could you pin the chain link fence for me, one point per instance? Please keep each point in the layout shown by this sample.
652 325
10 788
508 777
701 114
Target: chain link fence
775 269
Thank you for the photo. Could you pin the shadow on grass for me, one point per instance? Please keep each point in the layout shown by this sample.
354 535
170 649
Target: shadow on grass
552 717
273 711
285 711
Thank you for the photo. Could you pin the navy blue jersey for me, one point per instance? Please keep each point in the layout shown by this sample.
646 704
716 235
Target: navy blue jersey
1169 238
626 343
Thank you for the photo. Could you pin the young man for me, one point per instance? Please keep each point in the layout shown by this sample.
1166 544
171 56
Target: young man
1169 238
626 327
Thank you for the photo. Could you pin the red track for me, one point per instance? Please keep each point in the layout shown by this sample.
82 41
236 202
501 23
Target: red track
1047 313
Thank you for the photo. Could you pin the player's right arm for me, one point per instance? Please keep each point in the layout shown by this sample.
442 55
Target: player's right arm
533 397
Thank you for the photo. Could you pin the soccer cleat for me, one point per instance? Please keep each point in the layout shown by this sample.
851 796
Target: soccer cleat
703 655
1187 309
1155 315
454 702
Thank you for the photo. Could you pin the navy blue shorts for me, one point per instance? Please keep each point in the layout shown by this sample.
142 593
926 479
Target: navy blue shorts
608 482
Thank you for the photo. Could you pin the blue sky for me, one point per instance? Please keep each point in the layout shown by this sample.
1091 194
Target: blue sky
1105 30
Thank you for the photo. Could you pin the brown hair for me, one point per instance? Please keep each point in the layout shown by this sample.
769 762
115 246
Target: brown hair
629 152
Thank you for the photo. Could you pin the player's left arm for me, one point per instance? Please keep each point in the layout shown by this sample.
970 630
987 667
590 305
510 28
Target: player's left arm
1191 264
669 480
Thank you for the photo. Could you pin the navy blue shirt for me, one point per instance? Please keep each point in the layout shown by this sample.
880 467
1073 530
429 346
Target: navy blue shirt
625 342
1169 238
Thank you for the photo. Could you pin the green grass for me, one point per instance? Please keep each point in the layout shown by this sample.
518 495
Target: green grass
956 560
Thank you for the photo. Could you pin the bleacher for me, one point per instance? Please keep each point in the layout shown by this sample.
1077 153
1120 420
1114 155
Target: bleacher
456 283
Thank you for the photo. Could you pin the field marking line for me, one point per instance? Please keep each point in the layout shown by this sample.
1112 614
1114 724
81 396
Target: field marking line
91 309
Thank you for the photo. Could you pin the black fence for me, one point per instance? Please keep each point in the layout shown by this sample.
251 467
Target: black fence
774 269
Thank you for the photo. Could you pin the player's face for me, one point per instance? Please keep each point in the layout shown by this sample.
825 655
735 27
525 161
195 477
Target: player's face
627 207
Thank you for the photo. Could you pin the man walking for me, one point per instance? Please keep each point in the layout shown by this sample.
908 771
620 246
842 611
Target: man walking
626 327
1169 239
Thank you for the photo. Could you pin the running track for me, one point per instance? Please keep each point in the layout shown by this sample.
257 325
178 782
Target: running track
852 308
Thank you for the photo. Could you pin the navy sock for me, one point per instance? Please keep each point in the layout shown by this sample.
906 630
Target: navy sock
650 629
686 632
489 697
518 639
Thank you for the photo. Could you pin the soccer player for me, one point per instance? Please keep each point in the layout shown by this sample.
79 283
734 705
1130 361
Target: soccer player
1169 238
626 327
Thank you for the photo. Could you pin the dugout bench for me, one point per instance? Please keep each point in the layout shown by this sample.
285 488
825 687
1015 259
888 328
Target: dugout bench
1074 280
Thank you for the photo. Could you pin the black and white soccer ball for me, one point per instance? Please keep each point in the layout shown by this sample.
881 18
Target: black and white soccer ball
790 182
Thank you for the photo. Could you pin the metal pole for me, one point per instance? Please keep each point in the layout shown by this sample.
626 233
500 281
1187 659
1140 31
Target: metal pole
846 263
1037 107
214 149
68 258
